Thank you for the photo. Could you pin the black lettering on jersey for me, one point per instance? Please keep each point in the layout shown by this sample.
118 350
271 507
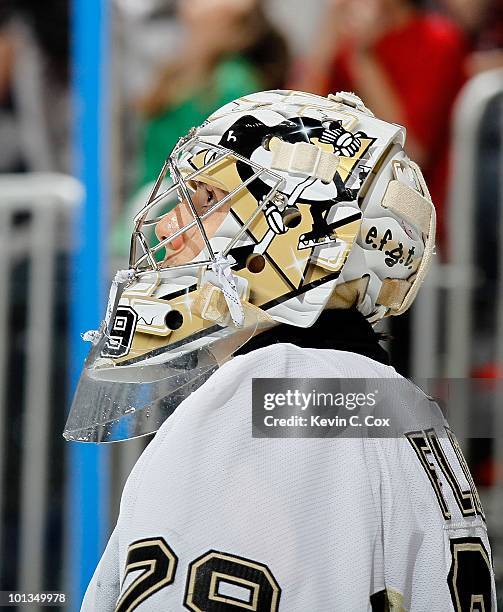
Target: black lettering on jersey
426 443
466 470
219 582
470 576
159 562
419 443
464 499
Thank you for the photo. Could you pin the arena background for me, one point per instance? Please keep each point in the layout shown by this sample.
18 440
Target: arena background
71 76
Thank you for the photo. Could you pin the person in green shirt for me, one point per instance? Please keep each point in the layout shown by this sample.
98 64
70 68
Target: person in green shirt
230 49
233 76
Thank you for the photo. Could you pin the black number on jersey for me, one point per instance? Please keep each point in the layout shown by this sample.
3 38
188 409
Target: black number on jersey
159 562
470 576
216 582
219 582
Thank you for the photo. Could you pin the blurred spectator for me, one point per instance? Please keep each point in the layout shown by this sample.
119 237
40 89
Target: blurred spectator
230 49
144 35
34 59
10 154
482 21
407 65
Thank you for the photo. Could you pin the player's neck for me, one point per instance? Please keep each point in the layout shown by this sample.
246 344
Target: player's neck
344 330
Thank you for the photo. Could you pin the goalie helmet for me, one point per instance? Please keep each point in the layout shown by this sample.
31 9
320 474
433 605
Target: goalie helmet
307 203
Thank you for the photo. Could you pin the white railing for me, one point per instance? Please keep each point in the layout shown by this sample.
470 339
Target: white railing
45 203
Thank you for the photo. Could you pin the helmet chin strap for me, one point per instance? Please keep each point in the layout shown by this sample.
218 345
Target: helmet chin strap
223 278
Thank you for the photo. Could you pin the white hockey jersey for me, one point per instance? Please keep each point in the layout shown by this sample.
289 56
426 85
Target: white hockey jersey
214 519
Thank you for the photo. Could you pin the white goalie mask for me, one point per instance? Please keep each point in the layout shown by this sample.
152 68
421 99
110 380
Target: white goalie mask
280 205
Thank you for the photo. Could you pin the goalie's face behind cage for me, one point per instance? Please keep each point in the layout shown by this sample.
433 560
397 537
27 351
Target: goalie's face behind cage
187 245
280 205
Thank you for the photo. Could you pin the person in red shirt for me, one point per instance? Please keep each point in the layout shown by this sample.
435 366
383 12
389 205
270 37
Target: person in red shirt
482 22
405 63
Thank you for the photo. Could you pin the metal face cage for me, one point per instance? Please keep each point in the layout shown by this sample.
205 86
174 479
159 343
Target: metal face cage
142 256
